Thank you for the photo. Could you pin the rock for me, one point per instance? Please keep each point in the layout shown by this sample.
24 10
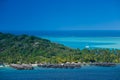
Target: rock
59 65
105 64
22 66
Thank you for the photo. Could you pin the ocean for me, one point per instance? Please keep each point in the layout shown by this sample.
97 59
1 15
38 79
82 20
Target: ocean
83 73
74 39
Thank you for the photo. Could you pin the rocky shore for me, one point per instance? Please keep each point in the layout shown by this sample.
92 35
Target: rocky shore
22 66
104 64
63 65
59 65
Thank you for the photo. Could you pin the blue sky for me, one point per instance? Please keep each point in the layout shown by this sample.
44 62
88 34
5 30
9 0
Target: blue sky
59 15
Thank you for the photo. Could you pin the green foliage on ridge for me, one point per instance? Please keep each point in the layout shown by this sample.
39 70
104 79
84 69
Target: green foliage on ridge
31 49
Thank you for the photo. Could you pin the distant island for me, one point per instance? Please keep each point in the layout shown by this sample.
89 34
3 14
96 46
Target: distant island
25 49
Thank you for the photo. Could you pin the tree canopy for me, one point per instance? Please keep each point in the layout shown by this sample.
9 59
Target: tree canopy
31 49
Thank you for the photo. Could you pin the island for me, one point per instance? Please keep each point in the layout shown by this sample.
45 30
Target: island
21 51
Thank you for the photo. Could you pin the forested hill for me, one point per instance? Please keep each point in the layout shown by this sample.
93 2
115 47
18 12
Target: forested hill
31 49
24 48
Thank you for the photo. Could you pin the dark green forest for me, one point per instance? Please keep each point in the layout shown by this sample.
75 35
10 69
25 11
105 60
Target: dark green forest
31 49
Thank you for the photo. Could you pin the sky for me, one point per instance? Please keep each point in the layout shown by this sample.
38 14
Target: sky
59 15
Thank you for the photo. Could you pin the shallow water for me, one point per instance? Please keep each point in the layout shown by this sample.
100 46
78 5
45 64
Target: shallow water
84 73
92 42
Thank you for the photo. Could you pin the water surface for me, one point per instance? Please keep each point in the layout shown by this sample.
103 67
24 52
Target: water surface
84 73
92 42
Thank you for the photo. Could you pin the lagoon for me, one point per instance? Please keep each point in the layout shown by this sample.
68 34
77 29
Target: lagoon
92 42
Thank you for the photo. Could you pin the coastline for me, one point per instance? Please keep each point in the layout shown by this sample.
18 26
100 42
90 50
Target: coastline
61 66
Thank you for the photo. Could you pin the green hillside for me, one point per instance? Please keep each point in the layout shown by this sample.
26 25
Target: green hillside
31 49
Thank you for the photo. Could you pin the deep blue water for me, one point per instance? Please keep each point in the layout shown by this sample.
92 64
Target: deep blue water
74 33
84 73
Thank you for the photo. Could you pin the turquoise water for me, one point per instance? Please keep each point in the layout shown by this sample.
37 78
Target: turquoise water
92 42
84 73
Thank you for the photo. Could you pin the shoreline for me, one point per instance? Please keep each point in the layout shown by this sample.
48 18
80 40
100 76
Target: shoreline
61 66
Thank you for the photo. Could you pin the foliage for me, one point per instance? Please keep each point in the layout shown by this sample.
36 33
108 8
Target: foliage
31 49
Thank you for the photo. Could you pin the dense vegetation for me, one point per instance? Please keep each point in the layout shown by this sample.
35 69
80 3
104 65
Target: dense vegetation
31 49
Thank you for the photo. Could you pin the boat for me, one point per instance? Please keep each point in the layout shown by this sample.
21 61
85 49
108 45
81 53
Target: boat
87 46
